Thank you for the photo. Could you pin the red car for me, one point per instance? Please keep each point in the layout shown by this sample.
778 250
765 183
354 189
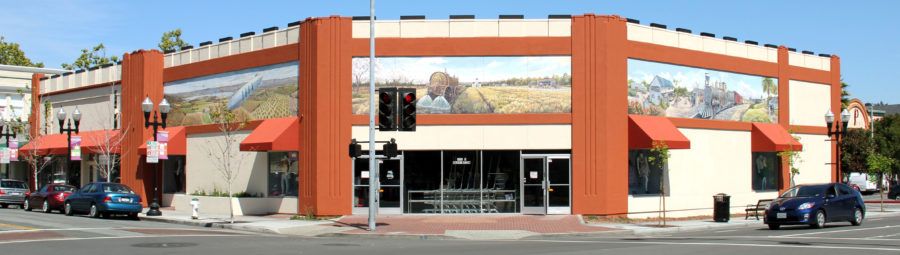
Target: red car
48 198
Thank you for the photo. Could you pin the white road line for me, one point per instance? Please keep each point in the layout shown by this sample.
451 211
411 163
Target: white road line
724 231
788 237
725 244
883 236
839 231
109 237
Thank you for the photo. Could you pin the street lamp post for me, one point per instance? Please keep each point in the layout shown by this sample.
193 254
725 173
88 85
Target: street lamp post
838 132
163 111
61 116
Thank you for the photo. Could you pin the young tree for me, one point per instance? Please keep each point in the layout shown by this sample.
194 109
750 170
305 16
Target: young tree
879 165
171 40
36 160
659 157
225 151
109 141
792 157
96 56
11 54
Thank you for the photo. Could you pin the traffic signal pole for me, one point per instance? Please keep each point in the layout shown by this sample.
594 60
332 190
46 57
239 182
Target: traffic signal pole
373 175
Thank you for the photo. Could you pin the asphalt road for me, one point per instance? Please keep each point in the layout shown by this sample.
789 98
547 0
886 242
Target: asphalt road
37 233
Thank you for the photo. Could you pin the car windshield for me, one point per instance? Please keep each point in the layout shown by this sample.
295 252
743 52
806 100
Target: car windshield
64 188
116 188
13 185
804 191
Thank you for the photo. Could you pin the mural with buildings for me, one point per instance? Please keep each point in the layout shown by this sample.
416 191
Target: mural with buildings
541 84
256 93
686 92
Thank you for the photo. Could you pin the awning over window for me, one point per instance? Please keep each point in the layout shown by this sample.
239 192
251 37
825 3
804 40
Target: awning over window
177 144
644 130
96 142
282 134
773 137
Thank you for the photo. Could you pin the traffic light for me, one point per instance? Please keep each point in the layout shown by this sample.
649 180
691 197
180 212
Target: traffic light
407 109
355 149
390 149
387 109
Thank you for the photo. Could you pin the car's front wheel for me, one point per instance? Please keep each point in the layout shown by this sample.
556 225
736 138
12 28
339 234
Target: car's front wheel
68 209
773 226
857 217
94 213
819 220
27 205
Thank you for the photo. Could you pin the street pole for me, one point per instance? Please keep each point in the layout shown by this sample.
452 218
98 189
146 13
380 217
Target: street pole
373 175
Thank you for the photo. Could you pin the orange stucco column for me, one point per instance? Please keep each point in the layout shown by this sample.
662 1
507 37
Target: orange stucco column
34 119
325 109
836 109
784 109
599 115
142 76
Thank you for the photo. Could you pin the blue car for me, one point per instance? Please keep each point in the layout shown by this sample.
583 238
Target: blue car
104 199
815 205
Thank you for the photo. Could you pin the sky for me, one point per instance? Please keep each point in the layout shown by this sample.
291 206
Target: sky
863 33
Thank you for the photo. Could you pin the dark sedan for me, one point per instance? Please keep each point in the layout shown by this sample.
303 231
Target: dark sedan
48 198
815 205
104 199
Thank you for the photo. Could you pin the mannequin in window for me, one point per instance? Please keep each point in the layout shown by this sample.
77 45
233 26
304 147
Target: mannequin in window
643 169
285 181
761 164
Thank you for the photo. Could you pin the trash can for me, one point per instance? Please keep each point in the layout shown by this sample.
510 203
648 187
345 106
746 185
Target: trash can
721 207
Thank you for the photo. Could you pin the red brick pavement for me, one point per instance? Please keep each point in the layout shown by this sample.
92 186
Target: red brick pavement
438 224
30 235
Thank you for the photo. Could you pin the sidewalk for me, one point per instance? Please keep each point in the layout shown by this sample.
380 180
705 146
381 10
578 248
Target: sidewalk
271 224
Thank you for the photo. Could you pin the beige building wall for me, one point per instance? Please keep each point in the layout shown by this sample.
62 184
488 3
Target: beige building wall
708 168
809 103
202 172
476 137
96 106
814 160
465 28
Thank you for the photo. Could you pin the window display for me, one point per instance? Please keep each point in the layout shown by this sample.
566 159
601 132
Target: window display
283 174
643 177
766 166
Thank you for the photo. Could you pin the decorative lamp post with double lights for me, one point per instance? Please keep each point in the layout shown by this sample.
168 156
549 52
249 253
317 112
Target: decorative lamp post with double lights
838 132
61 116
163 112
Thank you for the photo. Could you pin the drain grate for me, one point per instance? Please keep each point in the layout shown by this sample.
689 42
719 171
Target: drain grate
163 245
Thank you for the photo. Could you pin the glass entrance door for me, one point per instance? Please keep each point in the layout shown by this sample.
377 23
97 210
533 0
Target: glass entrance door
391 178
545 184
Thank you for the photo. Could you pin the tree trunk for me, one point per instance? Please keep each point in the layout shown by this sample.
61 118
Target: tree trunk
230 203
881 191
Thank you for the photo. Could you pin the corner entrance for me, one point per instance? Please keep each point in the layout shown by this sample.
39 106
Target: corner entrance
546 183
391 178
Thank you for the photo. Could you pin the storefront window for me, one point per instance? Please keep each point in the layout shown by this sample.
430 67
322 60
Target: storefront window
173 174
766 166
501 181
422 182
462 182
283 174
644 177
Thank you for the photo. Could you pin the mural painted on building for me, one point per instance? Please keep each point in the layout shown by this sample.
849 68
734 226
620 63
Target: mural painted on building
686 92
541 84
255 93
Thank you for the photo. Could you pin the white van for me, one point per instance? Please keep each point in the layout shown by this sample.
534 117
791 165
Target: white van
863 182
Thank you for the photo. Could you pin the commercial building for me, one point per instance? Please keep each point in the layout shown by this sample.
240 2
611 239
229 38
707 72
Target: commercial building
555 116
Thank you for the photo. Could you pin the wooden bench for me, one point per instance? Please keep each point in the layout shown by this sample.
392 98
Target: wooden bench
757 209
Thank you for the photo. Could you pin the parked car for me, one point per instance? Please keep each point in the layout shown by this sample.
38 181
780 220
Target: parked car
894 193
103 199
862 182
12 192
48 198
815 205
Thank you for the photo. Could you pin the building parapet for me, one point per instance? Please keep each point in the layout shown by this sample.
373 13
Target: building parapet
227 46
81 78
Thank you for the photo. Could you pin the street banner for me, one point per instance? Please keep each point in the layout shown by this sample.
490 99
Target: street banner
152 152
14 150
163 138
4 154
75 144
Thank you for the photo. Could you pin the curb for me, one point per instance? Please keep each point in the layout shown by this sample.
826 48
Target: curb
656 230
211 225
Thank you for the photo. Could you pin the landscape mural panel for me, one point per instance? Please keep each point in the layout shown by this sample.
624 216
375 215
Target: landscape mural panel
252 94
660 89
481 85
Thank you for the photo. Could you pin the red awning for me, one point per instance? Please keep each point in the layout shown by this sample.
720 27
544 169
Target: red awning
282 134
773 137
644 130
177 142
97 141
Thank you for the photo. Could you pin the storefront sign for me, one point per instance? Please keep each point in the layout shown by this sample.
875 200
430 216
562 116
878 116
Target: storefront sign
462 161
533 174
162 137
14 150
75 144
152 152
364 174
4 154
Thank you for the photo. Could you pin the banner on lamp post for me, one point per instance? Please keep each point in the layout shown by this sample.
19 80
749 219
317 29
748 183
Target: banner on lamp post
152 152
4 154
75 144
162 137
14 150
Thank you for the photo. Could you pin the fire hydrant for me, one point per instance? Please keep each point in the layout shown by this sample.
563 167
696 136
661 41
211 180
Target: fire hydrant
195 208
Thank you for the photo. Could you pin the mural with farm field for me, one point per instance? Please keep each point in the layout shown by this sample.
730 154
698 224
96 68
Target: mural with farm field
686 92
447 85
252 94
